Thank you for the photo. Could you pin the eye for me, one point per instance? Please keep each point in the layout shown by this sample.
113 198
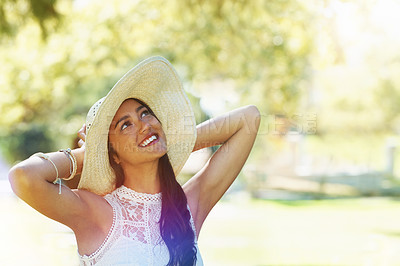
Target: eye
125 125
144 113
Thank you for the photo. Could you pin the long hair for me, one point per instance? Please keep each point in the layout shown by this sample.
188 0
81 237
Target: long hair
175 227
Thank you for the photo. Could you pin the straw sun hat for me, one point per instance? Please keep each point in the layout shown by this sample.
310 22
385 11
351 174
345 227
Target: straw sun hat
155 82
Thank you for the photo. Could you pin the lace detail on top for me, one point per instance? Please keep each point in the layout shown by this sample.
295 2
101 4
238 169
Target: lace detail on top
134 237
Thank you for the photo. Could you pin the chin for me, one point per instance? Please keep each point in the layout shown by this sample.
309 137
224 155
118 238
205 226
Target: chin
157 151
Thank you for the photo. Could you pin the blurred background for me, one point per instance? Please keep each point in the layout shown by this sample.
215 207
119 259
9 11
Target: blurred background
322 184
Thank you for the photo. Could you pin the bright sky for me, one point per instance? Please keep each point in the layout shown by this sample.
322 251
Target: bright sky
367 27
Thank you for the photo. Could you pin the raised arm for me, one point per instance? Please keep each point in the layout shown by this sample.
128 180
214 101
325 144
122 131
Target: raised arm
236 131
32 181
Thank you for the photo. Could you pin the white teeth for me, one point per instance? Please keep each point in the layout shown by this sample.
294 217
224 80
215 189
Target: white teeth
147 141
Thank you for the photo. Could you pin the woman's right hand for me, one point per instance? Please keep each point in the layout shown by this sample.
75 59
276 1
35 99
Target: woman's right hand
82 136
80 152
32 180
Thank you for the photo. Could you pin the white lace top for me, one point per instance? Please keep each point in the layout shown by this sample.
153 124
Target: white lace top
134 237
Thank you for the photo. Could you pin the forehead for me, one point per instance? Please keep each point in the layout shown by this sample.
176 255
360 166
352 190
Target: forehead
127 106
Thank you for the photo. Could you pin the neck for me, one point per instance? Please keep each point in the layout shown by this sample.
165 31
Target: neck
142 178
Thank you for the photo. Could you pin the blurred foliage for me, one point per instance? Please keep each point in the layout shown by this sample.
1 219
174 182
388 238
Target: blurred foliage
330 65
355 86
262 48
26 140
15 14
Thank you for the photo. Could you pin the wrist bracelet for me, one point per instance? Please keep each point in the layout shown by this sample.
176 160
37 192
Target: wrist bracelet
47 158
73 164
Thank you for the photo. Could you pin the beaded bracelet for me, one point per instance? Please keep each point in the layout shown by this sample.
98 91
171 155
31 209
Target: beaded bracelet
73 164
47 158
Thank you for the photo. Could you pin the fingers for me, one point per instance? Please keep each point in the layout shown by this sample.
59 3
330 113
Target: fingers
82 133
81 143
82 136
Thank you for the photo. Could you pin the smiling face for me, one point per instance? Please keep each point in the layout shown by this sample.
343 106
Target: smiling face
136 135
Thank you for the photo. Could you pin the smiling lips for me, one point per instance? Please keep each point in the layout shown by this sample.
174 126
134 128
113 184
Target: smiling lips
148 141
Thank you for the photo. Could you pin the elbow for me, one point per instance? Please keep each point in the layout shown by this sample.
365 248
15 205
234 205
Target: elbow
253 117
18 179
253 111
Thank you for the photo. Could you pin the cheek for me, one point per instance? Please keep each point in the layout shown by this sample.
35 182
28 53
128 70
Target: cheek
161 132
129 133
125 149
155 124
124 143
164 140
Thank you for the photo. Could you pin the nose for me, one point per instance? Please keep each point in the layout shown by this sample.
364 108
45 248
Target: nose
145 127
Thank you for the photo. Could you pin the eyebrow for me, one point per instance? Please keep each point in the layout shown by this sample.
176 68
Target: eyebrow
127 116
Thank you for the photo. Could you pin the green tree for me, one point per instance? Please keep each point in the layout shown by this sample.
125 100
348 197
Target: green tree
262 49
15 14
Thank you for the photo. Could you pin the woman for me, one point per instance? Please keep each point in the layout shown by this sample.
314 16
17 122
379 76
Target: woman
128 208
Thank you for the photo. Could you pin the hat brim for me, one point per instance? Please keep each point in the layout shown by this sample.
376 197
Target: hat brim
155 82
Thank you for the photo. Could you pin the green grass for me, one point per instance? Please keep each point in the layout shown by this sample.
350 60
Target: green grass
326 232
239 232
